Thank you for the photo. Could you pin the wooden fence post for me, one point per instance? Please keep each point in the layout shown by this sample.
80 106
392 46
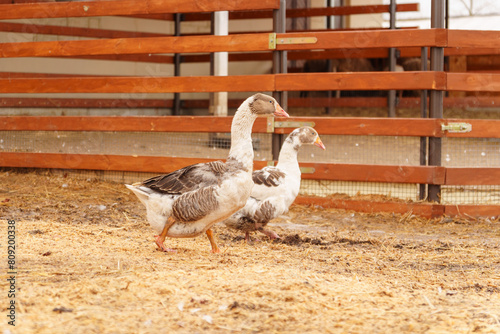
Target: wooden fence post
436 96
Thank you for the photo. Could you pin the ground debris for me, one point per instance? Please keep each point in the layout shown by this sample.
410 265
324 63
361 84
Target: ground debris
89 247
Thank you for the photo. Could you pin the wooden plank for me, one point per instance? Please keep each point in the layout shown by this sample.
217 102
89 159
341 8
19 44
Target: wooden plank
472 176
336 172
126 123
468 211
349 10
425 210
481 128
361 81
365 126
342 102
237 83
376 173
146 45
481 63
367 39
473 39
96 162
16 102
231 43
303 12
127 7
473 82
471 51
40 29
296 102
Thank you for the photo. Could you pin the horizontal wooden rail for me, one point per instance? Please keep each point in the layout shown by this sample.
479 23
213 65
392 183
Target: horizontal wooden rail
147 45
357 43
426 210
370 126
361 81
296 102
358 126
376 173
367 39
230 43
126 7
472 176
40 29
323 171
472 38
126 123
237 83
473 82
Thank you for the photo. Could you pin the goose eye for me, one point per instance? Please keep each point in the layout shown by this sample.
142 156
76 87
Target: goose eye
271 101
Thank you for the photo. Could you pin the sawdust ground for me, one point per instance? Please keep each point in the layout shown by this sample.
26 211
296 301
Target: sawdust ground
87 264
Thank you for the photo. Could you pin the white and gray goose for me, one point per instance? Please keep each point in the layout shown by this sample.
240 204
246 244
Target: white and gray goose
188 202
275 187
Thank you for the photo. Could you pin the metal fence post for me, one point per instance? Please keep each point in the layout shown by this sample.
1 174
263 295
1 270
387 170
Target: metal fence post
279 66
423 114
391 95
176 110
436 96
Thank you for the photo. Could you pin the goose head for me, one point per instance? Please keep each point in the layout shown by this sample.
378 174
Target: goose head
262 104
305 135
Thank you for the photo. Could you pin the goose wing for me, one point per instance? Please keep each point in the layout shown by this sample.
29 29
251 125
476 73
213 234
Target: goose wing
187 179
268 182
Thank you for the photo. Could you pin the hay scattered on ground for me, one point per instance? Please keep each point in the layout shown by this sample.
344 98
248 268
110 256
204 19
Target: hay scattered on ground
88 264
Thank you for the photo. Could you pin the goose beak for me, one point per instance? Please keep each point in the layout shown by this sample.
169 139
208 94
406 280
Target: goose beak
319 143
279 112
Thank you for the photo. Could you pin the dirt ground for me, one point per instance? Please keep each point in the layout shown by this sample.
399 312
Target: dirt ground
87 263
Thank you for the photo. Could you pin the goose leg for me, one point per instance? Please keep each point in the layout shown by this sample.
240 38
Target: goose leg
271 234
210 236
161 238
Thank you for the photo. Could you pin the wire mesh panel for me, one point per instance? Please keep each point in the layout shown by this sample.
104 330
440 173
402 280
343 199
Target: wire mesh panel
471 152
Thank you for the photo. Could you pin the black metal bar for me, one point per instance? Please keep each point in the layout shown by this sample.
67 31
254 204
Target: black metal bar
436 96
279 66
423 114
176 110
391 95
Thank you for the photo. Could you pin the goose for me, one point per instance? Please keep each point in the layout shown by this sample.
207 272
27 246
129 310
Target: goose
189 201
275 188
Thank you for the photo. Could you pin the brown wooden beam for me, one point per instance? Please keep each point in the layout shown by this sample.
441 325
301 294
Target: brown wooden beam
40 29
472 39
369 206
147 45
426 210
237 83
316 102
126 7
472 176
127 123
473 82
376 173
361 81
298 12
363 126
366 39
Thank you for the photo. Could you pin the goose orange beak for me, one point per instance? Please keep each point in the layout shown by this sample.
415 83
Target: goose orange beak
319 143
279 112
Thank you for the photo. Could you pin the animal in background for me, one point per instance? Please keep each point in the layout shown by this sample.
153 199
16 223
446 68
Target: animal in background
275 188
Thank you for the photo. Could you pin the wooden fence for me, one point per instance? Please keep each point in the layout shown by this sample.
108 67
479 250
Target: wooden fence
125 46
